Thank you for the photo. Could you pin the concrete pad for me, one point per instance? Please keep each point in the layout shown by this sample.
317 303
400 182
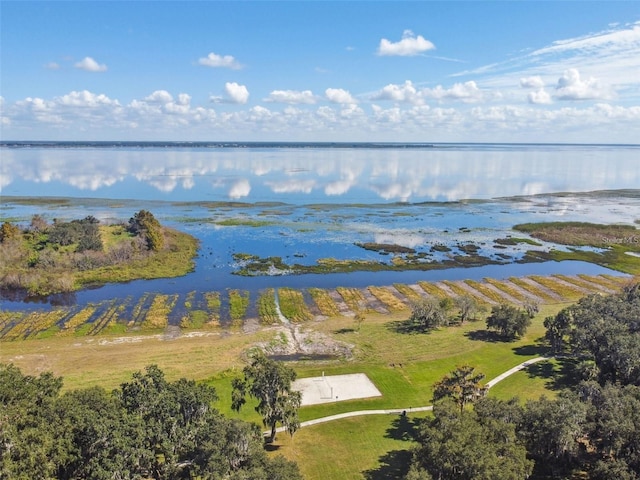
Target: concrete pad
335 388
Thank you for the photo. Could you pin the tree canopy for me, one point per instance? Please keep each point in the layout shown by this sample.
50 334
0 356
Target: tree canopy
147 428
269 382
510 322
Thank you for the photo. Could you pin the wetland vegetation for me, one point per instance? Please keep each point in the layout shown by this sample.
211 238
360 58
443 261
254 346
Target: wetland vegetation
48 258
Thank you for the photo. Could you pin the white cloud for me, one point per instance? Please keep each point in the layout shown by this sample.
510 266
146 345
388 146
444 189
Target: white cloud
338 95
224 61
532 82
291 97
234 93
539 97
467 92
572 87
162 114
612 56
85 98
88 64
159 96
410 45
406 93
52 66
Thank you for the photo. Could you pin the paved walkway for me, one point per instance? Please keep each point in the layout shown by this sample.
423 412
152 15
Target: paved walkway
397 411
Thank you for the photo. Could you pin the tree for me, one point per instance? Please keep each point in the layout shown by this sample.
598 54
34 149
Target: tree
462 386
149 428
38 223
144 224
531 307
557 329
428 313
509 321
468 307
551 430
462 446
604 329
269 382
8 231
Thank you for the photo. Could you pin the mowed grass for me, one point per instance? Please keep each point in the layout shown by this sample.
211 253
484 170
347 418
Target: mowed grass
404 367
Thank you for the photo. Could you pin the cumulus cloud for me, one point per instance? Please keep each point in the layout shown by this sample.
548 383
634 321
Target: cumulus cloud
291 97
220 61
88 64
410 45
467 92
572 87
85 98
406 93
532 82
539 97
338 95
234 93
159 96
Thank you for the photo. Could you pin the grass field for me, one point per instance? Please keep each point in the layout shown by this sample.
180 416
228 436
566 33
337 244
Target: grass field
403 366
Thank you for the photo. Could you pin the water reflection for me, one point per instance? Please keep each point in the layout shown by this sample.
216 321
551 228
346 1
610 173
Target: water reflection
308 175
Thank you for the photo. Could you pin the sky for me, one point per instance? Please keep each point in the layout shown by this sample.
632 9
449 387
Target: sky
326 71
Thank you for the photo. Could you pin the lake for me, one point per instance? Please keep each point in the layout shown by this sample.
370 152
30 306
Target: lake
309 202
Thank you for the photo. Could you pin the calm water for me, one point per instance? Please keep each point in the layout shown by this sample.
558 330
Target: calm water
305 203
302 174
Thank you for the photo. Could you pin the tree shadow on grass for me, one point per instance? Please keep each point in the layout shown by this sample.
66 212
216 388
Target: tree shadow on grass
558 376
406 327
402 428
344 330
539 348
393 464
485 336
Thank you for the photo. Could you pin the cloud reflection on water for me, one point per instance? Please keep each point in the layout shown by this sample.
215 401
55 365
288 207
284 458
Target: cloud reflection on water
305 175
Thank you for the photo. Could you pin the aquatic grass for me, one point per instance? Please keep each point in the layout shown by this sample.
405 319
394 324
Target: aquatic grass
293 306
432 289
581 233
267 307
353 298
502 286
158 314
194 319
456 288
563 290
387 298
213 305
108 317
577 281
533 289
238 304
486 291
324 302
77 320
33 323
244 222
409 293
600 280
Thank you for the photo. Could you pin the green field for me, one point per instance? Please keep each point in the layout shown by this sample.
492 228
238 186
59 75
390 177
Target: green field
403 366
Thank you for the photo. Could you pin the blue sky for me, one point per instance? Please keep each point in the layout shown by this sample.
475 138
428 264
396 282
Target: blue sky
424 71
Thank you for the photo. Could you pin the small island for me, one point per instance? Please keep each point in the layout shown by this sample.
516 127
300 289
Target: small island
63 256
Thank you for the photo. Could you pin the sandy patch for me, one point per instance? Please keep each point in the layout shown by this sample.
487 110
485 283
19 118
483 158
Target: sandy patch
335 388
